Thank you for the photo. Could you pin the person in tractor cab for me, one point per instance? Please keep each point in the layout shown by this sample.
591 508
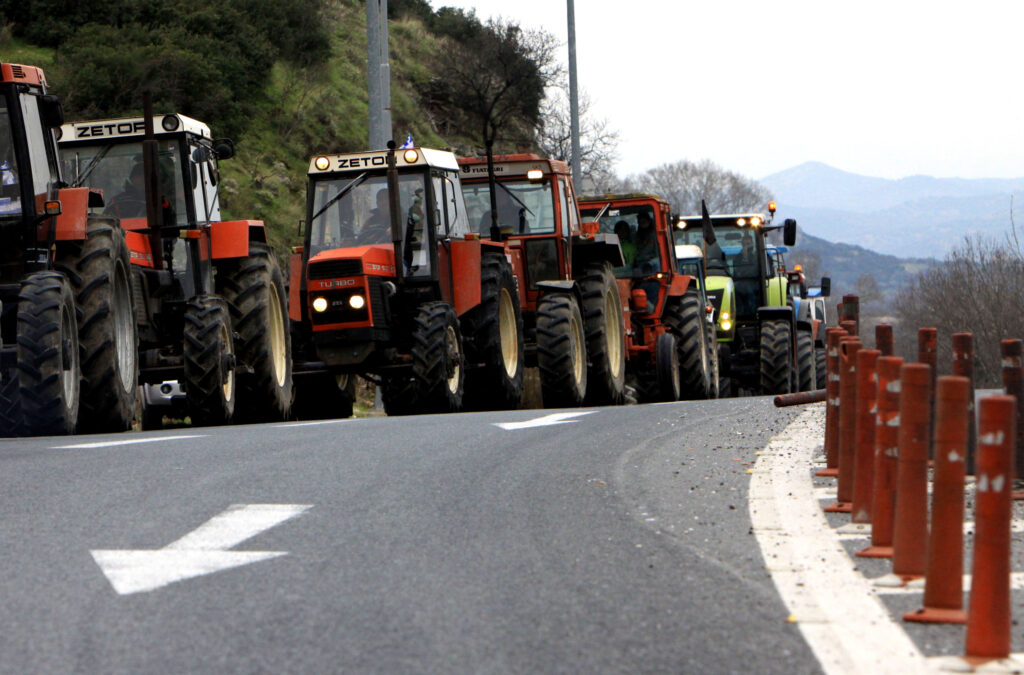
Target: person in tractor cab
131 202
626 242
646 245
375 229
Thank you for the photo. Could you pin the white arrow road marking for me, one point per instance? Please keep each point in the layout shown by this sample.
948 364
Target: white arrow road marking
202 551
546 421
133 441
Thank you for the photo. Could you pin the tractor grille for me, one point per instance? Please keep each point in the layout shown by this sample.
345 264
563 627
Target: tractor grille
378 305
17 71
335 268
716 301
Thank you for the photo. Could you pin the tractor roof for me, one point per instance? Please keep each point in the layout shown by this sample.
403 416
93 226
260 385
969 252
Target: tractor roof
13 73
512 165
620 196
125 127
378 159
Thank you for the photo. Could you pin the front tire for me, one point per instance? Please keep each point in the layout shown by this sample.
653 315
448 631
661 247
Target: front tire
605 333
688 319
805 360
561 351
324 396
99 271
666 366
253 288
436 384
776 357
49 372
494 338
820 368
209 362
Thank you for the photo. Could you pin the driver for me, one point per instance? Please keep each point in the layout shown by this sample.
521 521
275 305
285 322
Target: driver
646 245
131 202
375 229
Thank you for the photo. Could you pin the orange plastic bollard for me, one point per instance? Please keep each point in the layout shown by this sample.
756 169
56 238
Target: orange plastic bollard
832 336
963 365
883 505
928 352
910 527
851 312
848 348
944 584
849 326
883 339
1013 385
988 617
864 457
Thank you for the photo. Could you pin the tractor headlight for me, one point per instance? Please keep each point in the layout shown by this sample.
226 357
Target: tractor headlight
320 304
726 325
755 221
321 163
741 222
357 302
726 316
411 156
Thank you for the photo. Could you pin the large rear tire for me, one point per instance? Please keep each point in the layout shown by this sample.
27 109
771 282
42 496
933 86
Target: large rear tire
561 351
253 288
494 340
605 333
776 357
436 384
209 362
804 360
99 271
324 396
716 378
666 366
49 372
820 368
688 320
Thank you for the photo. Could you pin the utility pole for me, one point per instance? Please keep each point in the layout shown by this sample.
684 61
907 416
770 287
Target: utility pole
378 73
574 101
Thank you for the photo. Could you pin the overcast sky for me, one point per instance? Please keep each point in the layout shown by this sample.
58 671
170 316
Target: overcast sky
884 88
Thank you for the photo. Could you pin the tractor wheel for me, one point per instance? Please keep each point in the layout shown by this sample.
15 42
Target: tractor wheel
561 351
436 383
49 371
716 380
666 366
688 320
253 289
820 368
493 336
99 271
605 333
209 361
324 396
776 357
805 360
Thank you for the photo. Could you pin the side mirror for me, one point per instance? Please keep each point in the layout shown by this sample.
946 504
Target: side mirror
789 232
826 286
224 148
51 111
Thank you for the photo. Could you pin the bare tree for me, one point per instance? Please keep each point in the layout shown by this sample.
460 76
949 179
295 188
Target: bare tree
685 183
598 141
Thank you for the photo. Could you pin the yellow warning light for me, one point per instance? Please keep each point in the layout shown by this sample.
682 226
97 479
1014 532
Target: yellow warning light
321 163
411 156
771 207
798 268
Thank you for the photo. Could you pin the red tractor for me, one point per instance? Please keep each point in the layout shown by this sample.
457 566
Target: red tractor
49 385
208 297
671 344
572 311
392 284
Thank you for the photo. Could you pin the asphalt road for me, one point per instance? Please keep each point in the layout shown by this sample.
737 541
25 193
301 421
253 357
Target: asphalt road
615 542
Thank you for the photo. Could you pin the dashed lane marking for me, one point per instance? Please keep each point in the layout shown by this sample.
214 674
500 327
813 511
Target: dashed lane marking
310 424
131 441
545 421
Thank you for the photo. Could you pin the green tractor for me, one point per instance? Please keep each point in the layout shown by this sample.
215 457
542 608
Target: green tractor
759 333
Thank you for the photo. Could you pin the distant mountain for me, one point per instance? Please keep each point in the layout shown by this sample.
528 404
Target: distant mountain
915 216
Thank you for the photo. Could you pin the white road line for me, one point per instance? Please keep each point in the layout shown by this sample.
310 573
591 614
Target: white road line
841 618
309 424
545 421
238 523
1016 584
132 441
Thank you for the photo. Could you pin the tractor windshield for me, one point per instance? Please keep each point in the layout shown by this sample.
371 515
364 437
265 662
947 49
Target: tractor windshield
354 210
117 169
10 195
524 206
634 226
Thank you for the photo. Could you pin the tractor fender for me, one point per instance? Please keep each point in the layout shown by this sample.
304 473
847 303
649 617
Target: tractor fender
680 284
465 265
559 286
231 238
596 248
772 313
74 212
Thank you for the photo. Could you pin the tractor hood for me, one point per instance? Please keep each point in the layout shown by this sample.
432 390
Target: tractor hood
377 260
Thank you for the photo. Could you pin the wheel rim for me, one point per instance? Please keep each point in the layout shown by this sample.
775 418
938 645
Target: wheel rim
576 348
124 330
69 378
613 330
278 346
228 386
451 343
508 333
